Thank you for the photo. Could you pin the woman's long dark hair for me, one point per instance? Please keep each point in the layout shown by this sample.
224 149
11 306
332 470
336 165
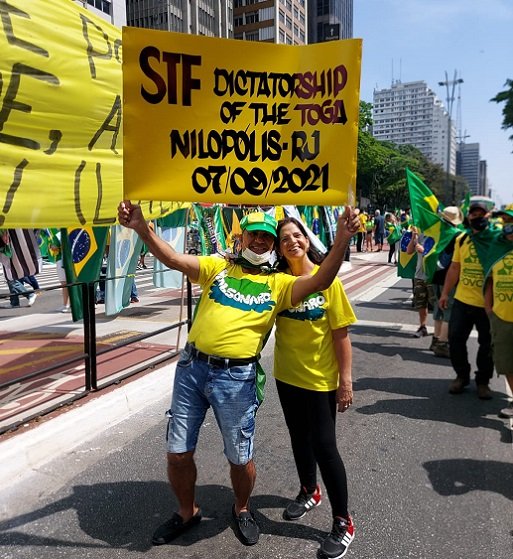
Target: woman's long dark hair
315 256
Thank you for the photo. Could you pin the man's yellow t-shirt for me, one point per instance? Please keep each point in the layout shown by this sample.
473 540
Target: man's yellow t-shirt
236 310
304 355
503 288
470 285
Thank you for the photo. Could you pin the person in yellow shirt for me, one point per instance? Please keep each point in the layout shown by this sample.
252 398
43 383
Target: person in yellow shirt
312 368
362 216
466 274
218 366
499 305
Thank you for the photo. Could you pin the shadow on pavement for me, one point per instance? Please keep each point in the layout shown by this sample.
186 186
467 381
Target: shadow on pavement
432 402
461 475
125 515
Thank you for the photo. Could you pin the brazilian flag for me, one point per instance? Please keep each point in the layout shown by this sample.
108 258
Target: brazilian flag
407 262
82 254
426 210
50 244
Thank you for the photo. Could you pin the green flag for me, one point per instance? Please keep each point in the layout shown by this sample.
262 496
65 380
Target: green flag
426 211
211 229
491 246
82 255
424 204
465 204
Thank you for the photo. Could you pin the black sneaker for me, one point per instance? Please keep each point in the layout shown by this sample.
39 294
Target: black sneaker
246 528
339 539
421 332
173 528
303 503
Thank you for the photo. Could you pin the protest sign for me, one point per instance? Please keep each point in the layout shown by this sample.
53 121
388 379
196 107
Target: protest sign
60 116
218 120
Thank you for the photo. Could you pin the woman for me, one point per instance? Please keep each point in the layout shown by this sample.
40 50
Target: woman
312 367
393 236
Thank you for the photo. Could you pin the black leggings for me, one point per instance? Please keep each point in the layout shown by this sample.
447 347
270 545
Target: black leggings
310 418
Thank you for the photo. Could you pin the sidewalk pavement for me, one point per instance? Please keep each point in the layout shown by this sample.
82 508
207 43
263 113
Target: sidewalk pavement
36 444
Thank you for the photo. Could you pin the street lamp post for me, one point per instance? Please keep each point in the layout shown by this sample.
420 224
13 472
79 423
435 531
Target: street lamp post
450 100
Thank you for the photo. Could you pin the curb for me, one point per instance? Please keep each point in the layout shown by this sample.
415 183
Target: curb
26 452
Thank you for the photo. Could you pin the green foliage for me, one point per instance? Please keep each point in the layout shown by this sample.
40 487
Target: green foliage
381 175
506 97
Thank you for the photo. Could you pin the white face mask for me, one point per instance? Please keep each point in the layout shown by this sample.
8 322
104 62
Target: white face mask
257 259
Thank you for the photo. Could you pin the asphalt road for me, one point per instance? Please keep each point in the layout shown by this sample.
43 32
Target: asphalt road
430 474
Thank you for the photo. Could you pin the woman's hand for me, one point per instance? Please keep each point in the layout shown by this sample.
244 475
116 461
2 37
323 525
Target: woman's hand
344 396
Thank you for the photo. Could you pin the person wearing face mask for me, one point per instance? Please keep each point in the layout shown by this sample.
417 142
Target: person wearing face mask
499 305
218 366
466 274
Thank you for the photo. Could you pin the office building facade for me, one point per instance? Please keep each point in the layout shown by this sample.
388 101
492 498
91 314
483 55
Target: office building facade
212 18
113 11
329 20
410 113
270 21
468 166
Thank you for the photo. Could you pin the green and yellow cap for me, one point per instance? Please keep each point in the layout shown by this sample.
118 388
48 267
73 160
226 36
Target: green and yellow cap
259 221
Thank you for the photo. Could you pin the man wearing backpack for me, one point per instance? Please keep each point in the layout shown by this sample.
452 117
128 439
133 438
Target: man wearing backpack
466 274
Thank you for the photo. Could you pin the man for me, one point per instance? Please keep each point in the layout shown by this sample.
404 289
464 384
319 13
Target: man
217 368
499 306
379 230
466 274
422 291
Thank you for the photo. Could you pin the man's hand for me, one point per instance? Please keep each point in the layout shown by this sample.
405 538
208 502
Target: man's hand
443 302
131 216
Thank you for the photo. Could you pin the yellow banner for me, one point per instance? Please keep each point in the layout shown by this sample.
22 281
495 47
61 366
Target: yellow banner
60 115
217 120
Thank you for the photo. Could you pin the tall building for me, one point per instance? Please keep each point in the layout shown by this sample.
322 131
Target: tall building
410 113
271 21
469 167
483 178
329 20
213 18
113 11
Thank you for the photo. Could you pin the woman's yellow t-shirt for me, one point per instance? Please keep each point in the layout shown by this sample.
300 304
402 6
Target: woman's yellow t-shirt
304 355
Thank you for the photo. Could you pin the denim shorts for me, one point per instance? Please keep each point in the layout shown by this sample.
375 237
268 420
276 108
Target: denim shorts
232 395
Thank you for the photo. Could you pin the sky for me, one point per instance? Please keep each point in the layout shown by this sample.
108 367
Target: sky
411 40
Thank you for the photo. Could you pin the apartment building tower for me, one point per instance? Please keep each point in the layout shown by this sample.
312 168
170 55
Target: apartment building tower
329 20
410 113
271 21
213 18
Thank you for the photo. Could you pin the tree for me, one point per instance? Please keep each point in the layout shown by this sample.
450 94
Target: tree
506 97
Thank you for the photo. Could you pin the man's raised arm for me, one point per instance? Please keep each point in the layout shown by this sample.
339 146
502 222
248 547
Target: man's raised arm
131 216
